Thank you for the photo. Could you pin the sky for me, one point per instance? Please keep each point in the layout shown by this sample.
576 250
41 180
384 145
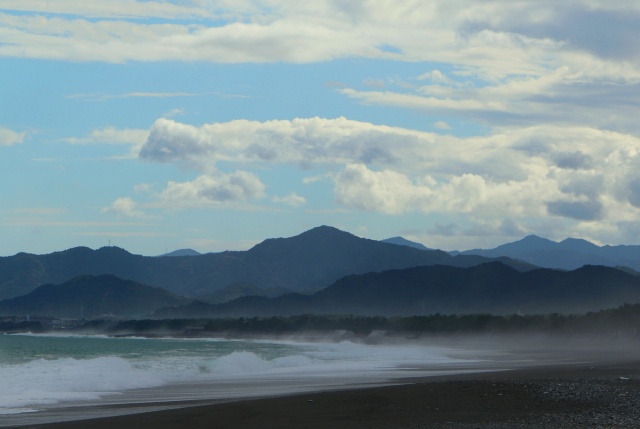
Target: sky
214 125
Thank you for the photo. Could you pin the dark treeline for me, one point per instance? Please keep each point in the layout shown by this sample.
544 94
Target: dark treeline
625 319
23 326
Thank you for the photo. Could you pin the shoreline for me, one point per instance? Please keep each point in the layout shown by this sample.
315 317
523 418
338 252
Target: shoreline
551 396
428 396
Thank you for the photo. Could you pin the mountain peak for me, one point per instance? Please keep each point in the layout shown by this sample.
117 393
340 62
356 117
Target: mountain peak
401 241
530 242
182 252
320 235
578 245
324 230
113 250
532 238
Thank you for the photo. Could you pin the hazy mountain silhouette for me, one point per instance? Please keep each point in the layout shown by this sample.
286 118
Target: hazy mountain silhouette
401 241
91 296
238 290
568 254
182 252
307 262
488 288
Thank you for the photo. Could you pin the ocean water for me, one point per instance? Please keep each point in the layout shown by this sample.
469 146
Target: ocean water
39 372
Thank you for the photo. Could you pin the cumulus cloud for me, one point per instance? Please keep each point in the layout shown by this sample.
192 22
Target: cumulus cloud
237 187
395 193
292 199
300 141
556 98
9 137
385 191
579 173
126 207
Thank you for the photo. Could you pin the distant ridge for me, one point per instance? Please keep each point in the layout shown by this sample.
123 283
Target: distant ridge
401 241
568 254
309 261
488 288
238 290
181 252
88 297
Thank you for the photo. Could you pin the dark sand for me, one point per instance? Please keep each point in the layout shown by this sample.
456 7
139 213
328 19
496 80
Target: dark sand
561 396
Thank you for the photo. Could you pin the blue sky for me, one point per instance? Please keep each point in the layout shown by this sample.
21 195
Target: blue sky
214 125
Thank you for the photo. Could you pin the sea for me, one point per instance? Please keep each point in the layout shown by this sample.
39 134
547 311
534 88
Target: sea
46 378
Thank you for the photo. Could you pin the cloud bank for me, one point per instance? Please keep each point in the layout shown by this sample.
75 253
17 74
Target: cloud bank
550 88
579 174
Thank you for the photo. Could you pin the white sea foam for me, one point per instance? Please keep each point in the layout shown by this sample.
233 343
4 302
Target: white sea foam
27 385
43 381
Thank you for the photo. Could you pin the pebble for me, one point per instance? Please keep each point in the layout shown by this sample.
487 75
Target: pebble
612 403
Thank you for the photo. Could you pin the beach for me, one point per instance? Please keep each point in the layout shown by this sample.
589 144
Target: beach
571 388
567 396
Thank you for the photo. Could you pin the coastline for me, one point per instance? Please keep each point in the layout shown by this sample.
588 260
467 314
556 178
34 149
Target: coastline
524 382
551 396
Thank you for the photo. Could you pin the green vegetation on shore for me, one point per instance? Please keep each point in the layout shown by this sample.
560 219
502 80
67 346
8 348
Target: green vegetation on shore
624 320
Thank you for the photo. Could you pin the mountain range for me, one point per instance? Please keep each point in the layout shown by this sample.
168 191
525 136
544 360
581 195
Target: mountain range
488 288
568 254
322 271
303 263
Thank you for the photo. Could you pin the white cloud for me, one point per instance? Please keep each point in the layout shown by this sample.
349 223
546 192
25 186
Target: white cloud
600 96
395 193
135 138
292 199
442 125
386 191
112 135
437 77
80 39
9 137
580 173
126 207
212 189
178 111
494 39
303 142
110 9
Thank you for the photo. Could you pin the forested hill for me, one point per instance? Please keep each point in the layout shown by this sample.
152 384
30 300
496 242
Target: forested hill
489 288
88 297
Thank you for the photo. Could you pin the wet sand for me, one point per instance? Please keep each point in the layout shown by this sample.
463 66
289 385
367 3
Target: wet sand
555 396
